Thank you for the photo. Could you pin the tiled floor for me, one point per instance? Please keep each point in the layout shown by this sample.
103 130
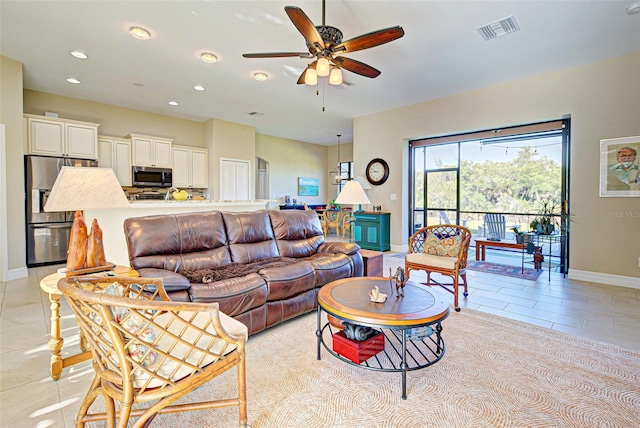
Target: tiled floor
30 398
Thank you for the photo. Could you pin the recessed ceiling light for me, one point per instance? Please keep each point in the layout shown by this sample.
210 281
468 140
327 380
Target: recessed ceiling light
73 80
173 103
139 33
199 88
261 77
208 57
633 8
79 54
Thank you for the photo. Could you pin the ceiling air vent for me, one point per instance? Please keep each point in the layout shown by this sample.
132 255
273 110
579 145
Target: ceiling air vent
255 113
499 28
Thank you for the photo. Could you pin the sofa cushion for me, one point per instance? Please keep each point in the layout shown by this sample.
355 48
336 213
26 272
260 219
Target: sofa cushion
330 267
287 281
235 295
250 236
188 241
171 281
297 233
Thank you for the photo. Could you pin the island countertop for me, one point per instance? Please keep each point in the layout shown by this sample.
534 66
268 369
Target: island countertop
111 221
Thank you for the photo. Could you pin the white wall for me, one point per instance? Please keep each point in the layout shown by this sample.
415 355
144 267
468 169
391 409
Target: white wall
603 101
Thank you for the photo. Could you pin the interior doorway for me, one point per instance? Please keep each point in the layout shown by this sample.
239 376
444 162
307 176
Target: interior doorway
262 178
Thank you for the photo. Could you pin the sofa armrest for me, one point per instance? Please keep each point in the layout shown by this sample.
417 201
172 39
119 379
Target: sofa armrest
347 248
171 281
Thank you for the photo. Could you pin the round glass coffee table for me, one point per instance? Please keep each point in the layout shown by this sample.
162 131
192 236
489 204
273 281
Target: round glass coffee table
411 325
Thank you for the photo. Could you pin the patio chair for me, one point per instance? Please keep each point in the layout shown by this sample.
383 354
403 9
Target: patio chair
440 249
150 351
496 227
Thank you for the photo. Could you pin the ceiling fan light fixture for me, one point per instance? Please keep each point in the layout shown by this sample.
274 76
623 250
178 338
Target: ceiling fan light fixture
311 77
335 78
322 68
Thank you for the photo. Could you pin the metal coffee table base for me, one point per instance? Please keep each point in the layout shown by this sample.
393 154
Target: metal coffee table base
400 354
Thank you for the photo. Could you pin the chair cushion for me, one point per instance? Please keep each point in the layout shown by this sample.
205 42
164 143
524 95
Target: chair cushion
170 369
448 247
431 260
133 324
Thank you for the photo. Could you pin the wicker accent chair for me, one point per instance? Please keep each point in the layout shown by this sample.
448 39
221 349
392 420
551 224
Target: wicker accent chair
332 220
346 225
149 352
447 265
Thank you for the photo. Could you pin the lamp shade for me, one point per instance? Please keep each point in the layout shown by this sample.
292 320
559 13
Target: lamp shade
352 193
311 77
363 182
81 188
335 78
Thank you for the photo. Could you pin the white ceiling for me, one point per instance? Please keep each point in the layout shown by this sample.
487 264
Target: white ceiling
441 54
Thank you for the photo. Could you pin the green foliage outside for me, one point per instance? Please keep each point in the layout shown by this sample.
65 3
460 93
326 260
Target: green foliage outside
522 186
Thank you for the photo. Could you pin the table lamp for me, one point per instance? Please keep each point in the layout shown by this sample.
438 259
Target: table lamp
81 188
352 193
365 186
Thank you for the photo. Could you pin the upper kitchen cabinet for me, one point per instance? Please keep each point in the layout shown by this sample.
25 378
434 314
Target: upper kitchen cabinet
151 151
115 153
50 136
190 167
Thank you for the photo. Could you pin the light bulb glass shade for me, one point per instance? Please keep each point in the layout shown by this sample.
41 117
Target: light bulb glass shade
261 77
363 182
337 175
208 57
322 68
311 77
352 193
335 78
81 188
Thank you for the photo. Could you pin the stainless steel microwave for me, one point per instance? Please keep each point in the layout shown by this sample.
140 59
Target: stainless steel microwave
146 176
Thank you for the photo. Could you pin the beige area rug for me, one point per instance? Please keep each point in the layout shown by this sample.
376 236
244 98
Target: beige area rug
495 373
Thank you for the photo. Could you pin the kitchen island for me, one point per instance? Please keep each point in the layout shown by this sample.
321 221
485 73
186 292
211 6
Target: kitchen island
112 220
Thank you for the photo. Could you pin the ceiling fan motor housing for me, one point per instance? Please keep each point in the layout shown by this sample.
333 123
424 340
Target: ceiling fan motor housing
330 35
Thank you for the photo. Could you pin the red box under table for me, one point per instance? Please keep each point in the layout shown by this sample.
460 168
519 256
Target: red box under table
358 351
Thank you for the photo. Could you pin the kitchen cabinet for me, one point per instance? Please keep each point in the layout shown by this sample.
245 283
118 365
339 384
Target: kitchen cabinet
190 167
50 136
115 153
372 230
151 151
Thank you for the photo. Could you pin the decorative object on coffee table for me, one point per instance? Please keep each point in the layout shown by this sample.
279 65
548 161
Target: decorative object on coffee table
400 281
376 296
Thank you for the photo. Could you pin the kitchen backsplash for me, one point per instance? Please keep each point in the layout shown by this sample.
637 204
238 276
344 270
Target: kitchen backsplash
135 193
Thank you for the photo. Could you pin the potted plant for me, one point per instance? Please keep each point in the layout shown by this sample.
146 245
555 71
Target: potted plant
544 223
519 235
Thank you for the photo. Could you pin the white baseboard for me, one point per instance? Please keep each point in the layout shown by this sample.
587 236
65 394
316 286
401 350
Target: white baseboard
605 278
17 273
399 248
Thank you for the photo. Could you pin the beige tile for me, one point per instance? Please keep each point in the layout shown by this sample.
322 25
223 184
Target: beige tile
540 314
505 298
21 336
24 366
35 404
515 316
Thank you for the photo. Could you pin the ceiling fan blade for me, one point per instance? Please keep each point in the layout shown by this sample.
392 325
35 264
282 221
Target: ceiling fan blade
356 67
370 40
305 26
278 55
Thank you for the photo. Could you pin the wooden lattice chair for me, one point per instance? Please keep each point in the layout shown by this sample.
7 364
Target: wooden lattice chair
149 352
332 220
440 249
346 225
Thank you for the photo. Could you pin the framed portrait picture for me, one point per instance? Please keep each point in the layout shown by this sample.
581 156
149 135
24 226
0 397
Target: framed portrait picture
307 186
619 167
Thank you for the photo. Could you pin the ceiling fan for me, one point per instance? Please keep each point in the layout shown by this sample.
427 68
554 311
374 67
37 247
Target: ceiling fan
325 43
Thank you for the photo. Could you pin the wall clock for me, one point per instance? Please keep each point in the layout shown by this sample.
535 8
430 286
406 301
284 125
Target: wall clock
377 171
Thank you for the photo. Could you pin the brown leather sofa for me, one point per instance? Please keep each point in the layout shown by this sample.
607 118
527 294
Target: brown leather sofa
163 245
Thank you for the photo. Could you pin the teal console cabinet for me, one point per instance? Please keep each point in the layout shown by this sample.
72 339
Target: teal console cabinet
371 230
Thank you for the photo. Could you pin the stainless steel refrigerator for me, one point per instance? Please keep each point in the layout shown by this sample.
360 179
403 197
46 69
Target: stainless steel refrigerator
47 232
